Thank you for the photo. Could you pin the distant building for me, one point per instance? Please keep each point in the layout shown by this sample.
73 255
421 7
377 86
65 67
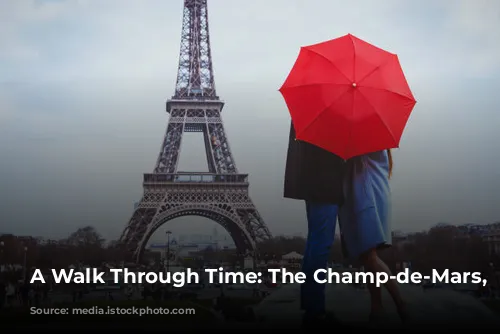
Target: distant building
215 240
492 236
44 241
488 232
400 239
442 225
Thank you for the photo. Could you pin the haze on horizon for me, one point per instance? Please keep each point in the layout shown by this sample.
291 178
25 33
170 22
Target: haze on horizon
83 85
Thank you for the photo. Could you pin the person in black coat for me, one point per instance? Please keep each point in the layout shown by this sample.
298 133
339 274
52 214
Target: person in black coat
312 173
316 176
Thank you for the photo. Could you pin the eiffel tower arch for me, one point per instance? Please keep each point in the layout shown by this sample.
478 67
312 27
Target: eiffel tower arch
221 194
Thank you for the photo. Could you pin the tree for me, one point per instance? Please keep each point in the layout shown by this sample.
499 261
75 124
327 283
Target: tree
87 246
115 252
85 236
444 247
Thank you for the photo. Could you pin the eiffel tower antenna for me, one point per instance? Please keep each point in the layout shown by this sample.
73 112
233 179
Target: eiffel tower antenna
195 76
221 194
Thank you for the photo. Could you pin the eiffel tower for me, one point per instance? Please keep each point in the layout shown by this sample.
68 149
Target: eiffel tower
221 194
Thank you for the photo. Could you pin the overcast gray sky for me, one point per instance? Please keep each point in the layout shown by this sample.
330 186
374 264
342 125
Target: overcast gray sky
83 85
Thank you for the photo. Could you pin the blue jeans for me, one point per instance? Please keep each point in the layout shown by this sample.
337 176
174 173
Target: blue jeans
321 221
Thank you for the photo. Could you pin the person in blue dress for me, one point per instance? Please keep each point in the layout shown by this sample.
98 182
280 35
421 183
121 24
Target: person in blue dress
364 219
356 192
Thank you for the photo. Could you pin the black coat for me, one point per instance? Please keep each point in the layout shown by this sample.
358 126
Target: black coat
312 173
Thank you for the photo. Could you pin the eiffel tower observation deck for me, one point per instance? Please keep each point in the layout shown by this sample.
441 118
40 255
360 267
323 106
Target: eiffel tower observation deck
221 194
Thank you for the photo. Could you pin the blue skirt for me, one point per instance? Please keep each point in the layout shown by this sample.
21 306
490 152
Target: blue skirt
364 217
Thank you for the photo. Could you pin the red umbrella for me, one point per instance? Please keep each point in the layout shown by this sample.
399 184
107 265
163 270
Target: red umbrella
348 97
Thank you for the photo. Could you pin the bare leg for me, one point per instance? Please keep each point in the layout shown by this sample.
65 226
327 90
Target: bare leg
376 306
374 264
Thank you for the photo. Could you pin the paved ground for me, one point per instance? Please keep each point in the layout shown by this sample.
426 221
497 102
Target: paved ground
430 308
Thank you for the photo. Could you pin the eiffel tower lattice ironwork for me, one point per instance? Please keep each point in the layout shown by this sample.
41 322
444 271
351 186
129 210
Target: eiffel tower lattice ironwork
222 193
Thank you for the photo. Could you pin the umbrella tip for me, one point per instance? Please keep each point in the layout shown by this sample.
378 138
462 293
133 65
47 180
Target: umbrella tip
351 36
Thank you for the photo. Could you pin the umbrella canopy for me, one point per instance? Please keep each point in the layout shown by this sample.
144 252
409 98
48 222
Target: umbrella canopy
348 97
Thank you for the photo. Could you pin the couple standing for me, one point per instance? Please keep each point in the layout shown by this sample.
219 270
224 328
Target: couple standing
355 191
